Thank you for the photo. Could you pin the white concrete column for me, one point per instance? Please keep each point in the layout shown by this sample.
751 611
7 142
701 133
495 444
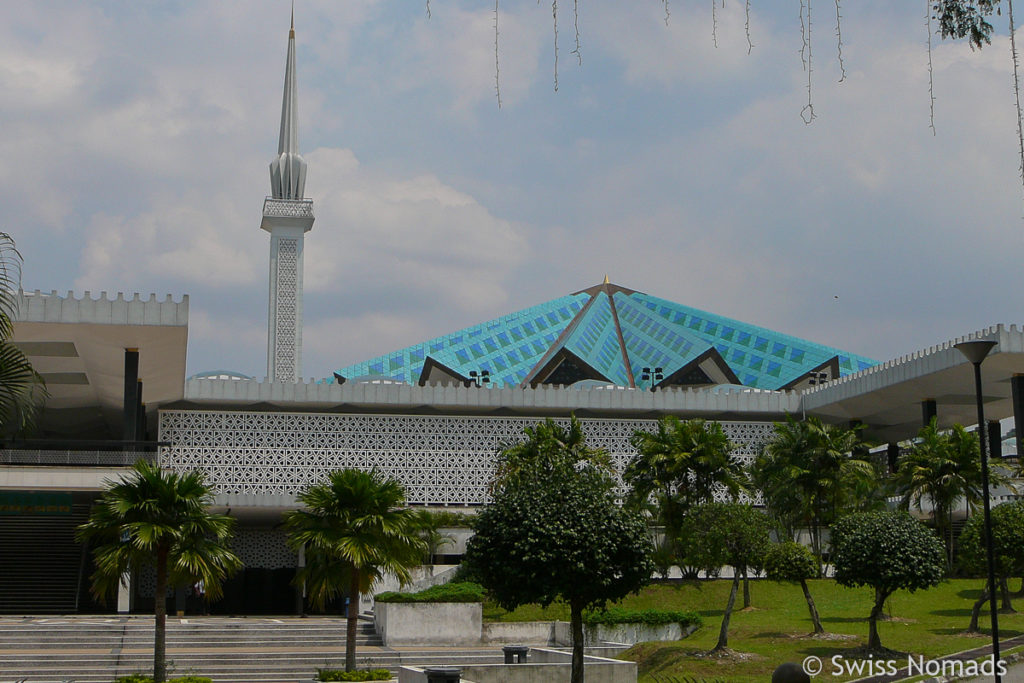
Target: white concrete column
124 594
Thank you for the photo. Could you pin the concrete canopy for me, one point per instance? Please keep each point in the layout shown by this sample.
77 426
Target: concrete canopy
887 398
78 346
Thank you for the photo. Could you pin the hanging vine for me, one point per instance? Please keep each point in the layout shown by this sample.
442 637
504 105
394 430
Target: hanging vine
554 16
497 81
1016 87
576 25
714 22
807 113
931 80
839 44
666 12
746 28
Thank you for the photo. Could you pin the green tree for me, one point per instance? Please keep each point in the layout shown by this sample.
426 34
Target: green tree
726 534
966 19
553 530
1007 549
354 530
810 473
793 562
160 519
680 465
943 469
22 389
887 551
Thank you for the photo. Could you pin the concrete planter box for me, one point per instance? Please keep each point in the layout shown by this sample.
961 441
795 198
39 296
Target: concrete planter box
428 623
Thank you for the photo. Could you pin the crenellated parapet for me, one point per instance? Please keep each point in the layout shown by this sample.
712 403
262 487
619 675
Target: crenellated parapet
541 400
51 307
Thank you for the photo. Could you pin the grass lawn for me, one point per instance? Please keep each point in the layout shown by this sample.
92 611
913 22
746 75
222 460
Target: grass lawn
928 623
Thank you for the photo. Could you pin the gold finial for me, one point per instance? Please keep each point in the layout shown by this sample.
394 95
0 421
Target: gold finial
291 31
606 279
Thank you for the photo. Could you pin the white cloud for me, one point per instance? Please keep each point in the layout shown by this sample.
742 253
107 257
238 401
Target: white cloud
455 50
192 241
377 232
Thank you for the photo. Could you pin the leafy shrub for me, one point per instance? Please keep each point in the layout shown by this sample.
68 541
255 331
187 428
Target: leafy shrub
446 592
449 519
790 561
365 675
464 573
650 617
142 678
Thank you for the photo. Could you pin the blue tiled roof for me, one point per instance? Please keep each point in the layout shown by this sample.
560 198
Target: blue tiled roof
507 347
607 328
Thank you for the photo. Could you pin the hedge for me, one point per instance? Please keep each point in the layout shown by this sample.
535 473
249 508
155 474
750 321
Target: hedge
142 678
339 675
446 592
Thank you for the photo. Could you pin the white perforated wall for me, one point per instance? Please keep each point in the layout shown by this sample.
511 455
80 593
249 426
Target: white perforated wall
440 460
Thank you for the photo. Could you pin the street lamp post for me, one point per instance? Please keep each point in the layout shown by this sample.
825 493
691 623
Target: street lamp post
975 352
480 378
651 374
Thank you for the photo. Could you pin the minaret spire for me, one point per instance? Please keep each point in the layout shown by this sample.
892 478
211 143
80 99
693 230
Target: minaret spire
288 170
287 216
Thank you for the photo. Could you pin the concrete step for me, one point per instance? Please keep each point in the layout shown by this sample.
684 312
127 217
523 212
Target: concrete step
254 668
229 650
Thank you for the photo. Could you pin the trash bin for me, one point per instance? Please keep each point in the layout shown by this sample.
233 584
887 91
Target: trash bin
515 654
443 674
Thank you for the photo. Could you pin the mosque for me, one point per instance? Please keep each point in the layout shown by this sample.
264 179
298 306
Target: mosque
431 415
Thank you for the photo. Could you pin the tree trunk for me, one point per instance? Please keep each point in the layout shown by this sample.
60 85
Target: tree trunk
816 542
160 614
976 610
950 538
723 634
352 623
746 589
815 619
576 618
874 642
1004 594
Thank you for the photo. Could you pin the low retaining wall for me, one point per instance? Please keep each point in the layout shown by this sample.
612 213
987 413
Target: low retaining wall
428 623
521 633
631 634
544 666
461 623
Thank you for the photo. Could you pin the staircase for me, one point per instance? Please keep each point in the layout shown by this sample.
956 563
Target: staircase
229 650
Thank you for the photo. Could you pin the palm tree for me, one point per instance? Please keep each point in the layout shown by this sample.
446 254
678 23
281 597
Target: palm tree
547 445
944 468
22 390
354 531
678 466
162 519
809 473
686 461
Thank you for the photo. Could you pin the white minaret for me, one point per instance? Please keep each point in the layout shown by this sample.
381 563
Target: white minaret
287 216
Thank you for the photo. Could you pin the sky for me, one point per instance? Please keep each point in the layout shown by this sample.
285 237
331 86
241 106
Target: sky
136 139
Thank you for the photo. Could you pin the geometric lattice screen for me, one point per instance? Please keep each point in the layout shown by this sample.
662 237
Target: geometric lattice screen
440 460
